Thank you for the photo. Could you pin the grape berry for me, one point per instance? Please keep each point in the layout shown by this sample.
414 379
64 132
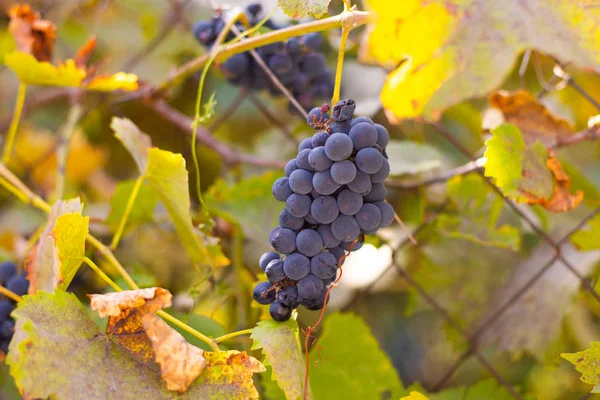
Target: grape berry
17 284
334 195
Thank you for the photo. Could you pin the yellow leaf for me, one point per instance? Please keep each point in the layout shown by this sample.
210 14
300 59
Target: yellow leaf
118 81
33 72
70 232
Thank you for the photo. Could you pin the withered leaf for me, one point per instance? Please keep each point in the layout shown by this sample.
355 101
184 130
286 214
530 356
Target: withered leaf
535 121
32 34
149 300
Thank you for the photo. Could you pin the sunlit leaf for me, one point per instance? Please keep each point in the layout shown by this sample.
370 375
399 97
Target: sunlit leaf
588 363
143 206
70 232
46 337
408 157
118 81
343 358
452 54
589 237
281 346
301 8
33 72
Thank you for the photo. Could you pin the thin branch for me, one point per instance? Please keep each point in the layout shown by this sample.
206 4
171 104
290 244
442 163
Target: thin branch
26 194
592 133
229 155
127 212
14 124
62 150
464 169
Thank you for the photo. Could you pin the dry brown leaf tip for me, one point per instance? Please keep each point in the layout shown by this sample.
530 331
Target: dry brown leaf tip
180 362
111 304
32 34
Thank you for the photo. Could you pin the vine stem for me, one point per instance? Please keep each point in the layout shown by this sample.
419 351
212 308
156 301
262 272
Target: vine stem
14 123
62 151
14 185
349 18
340 66
11 295
127 212
233 334
102 275
168 317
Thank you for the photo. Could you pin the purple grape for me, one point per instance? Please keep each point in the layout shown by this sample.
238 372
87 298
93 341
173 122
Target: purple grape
302 160
343 172
358 120
338 252
363 135
313 41
309 242
204 33
319 139
314 64
264 293
7 270
287 220
323 265
378 193
298 205
369 217
387 213
306 143
281 63
356 246
316 304
324 209
349 202
19 284
296 266
266 258
318 160
344 110
279 312
368 160
340 127
310 287
345 228
300 181
329 240
288 296
236 65
360 184
6 308
324 183
274 271
290 167
310 220
383 136
316 118
282 189
338 147
283 240
382 174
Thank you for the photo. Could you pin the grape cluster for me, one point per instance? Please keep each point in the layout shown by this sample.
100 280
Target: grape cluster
17 284
334 194
298 63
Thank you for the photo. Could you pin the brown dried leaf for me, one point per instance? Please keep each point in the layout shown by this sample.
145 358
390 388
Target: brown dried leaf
180 362
134 326
32 34
534 120
147 300
84 53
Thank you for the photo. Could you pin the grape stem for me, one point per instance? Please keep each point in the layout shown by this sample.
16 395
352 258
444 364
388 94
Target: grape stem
127 212
233 334
14 123
11 295
340 66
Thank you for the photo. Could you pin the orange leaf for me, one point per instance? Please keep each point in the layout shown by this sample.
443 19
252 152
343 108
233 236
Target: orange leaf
84 53
32 34
534 120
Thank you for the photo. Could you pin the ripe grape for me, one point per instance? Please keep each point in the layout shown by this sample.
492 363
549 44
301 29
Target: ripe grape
309 242
369 217
369 160
382 174
338 147
343 110
383 137
329 240
263 293
275 272
282 189
236 65
378 193
266 258
324 209
360 184
18 285
340 127
310 287
290 167
319 139
343 172
296 266
287 220
6 308
302 160
313 41
283 240
338 252
316 118
323 265
387 213
315 304
318 160
281 64
306 143
349 202
358 120
313 65
298 204
345 228
289 297
300 181
279 312
310 220
363 135
324 183
356 245
7 270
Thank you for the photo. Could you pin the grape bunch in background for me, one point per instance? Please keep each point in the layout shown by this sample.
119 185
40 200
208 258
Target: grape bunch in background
17 284
334 195
297 63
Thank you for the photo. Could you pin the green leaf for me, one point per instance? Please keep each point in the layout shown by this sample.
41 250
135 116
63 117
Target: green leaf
588 363
53 328
301 8
589 238
61 247
281 346
249 202
143 206
505 154
168 176
134 140
8 389
350 363
408 157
